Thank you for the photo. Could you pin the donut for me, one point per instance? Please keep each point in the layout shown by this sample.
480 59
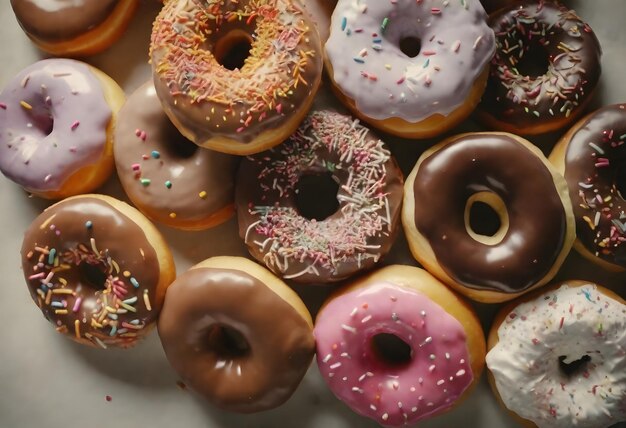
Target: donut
530 227
398 347
241 357
321 11
97 269
556 358
170 179
56 122
236 77
354 189
413 69
589 156
75 28
545 69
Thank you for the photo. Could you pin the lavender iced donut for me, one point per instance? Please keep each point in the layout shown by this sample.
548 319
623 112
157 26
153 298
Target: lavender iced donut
169 178
414 69
56 120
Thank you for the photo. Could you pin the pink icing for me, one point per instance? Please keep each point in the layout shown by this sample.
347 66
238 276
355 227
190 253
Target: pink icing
370 68
393 395
53 121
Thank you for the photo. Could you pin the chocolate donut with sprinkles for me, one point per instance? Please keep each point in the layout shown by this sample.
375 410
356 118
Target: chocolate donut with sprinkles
97 269
411 68
356 231
236 77
544 72
591 157
399 347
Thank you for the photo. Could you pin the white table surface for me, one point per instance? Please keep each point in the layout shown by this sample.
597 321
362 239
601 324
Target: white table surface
48 381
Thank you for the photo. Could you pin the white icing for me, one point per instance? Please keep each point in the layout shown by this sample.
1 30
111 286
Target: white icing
571 322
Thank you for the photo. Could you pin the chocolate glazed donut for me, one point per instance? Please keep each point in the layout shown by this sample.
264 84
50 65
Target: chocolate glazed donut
512 177
546 66
591 156
236 334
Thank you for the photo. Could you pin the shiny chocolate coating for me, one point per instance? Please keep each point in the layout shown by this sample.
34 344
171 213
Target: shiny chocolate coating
92 272
531 32
280 343
60 20
594 163
499 164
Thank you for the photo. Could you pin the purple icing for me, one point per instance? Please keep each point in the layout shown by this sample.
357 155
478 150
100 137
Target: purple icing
370 68
53 121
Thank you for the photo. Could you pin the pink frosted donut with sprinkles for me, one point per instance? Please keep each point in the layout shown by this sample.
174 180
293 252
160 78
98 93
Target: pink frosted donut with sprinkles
544 72
411 68
236 76
322 206
97 269
398 347
591 158
557 357
56 123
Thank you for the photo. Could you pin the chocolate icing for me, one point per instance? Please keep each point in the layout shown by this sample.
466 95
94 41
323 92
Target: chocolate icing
595 172
119 241
494 163
573 52
201 182
356 236
281 343
60 20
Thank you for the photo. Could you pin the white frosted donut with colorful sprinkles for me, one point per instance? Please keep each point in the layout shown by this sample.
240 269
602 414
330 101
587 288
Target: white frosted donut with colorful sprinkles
411 94
446 342
559 358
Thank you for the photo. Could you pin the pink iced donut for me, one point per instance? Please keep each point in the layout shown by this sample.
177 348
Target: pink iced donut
397 346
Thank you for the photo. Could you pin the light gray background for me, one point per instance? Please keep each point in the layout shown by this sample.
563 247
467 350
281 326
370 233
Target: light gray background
48 381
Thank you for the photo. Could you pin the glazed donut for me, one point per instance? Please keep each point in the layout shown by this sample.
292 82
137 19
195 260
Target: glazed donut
545 69
535 225
56 122
363 220
170 179
218 94
76 28
373 61
590 157
442 359
97 269
557 358
241 357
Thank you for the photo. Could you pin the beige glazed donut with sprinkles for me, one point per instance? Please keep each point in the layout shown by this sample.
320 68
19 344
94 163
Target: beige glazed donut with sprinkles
97 269
236 77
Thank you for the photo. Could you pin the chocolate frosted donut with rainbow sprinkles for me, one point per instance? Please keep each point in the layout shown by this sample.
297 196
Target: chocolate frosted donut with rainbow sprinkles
322 206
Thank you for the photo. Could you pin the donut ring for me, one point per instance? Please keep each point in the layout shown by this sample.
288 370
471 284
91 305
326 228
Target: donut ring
412 96
170 179
536 222
249 108
97 269
56 123
240 359
528 105
589 156
446 341
355 236
556 358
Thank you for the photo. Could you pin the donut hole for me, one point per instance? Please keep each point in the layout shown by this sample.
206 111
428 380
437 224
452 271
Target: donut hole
410 46
535 61
176 145
620 178
391 350
40 116
93 276
316 196
486 218
573 367
226 342
232 50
